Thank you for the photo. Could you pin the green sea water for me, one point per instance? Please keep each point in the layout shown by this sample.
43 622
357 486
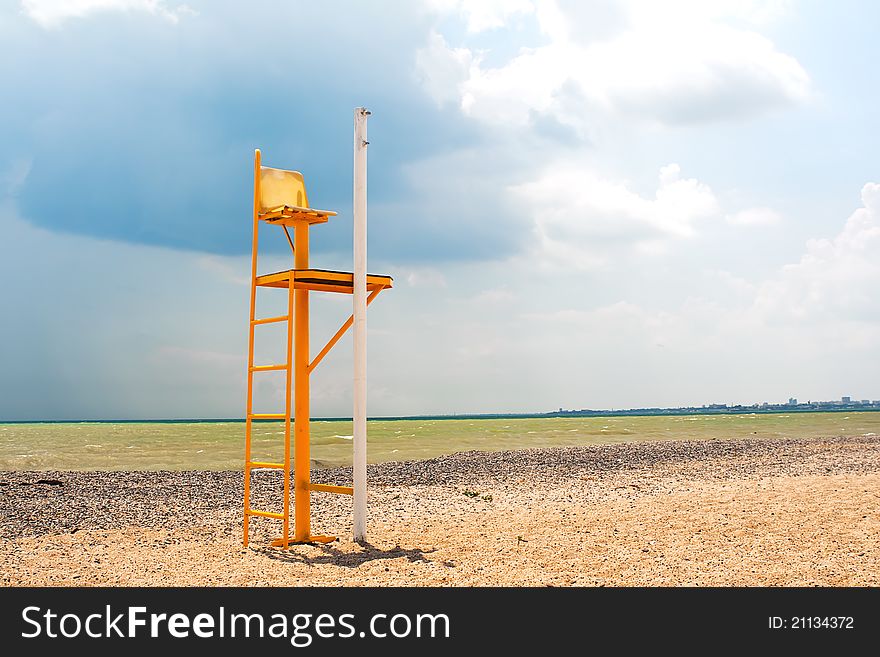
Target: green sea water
220 445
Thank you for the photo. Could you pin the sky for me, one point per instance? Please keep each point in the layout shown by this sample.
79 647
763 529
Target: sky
583 204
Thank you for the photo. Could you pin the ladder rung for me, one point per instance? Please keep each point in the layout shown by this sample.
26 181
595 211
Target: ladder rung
270 320
327 488
265 514
267 368
267 416
264 464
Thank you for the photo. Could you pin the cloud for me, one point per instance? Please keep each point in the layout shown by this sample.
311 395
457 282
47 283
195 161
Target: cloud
177 326
754 217
425 277
443 69
495 295
809 329
52 14
456 207
154 144
835 279
14 176
591 338
483 15
582 219
675 65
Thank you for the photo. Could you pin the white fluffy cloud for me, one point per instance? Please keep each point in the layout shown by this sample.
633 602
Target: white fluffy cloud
829 294
482 15
668 62
581 218
835 279
754 217
53 13
811 329
443 69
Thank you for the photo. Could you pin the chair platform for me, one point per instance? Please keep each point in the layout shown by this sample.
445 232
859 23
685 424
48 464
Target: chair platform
321 280
289 215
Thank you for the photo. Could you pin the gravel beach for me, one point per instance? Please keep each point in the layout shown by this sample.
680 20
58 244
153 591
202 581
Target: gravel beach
711 512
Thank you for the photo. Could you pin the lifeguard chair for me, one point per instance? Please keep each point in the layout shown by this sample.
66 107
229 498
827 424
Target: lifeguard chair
280 200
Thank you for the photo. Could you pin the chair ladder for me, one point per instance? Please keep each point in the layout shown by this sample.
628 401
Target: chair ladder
250 416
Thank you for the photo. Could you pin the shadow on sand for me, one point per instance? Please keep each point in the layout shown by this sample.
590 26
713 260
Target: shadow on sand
335 556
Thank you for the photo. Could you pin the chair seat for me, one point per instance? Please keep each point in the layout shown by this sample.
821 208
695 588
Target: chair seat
322 280
287 215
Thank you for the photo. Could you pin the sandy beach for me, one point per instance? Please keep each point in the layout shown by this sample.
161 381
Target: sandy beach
715 512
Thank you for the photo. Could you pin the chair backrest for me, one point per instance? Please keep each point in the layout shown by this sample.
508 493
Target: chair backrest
280 187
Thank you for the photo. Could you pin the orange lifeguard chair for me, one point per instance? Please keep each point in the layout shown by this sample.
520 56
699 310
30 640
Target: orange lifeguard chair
280 199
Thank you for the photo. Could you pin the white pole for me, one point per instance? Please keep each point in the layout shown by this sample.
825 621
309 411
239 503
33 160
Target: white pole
359 414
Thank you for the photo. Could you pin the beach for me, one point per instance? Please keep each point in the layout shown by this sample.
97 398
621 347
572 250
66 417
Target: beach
730 512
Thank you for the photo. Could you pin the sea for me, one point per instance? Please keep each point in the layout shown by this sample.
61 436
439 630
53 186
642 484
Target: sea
219 445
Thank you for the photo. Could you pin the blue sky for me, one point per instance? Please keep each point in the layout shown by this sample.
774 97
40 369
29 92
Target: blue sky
601 204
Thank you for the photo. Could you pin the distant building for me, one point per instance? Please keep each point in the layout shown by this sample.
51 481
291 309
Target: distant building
792 401
845 400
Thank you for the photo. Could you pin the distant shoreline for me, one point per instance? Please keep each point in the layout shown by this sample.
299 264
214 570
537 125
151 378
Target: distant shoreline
662 412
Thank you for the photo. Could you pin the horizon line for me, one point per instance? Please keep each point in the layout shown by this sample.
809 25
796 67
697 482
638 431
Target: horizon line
737 409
